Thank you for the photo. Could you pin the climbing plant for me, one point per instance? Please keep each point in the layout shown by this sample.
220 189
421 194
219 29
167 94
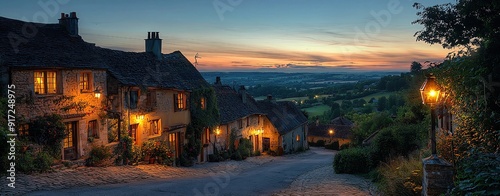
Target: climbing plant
201 118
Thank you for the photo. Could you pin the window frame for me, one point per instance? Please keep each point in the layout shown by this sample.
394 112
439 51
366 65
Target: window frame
240 123
152 132
44 84
89 82
203 103
93 129
180 102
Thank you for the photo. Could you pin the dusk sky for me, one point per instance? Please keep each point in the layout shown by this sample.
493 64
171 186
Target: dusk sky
260 35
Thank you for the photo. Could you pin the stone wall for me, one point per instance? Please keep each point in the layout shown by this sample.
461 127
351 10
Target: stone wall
30 105
437 176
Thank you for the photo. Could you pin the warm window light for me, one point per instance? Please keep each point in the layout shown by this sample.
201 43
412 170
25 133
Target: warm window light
430 91
139 117
331 132
217 131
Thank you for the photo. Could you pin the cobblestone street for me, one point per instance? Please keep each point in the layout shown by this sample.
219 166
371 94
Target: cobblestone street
320 181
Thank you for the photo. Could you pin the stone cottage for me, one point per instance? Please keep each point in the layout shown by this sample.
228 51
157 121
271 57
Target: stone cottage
239 114
55 71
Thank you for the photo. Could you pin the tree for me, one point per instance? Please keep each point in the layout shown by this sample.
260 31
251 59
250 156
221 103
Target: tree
382 103
415 67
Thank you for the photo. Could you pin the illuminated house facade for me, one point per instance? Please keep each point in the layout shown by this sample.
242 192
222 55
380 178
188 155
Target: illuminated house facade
56 72
239 115
269 125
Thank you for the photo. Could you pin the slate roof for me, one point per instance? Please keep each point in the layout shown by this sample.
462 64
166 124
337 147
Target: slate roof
231 106
341 121
322 130
284 115
52 47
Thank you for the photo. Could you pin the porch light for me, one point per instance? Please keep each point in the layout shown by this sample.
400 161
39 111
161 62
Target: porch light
217 131
97 93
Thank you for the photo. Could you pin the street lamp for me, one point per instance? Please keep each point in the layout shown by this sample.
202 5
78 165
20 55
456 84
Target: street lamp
430 96
331 134
217 132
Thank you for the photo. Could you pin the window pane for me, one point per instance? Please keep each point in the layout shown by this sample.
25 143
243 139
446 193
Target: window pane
85 81
51 82
39 82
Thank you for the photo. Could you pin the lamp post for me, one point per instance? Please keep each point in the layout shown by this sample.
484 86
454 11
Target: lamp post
331 135
430 96
437 173
217 132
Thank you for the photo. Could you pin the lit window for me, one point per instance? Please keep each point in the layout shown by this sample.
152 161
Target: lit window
85 81
297 138
154 127
203 103
93 130
45 82
179 102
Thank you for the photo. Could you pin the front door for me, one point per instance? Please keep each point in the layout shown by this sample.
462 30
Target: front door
266 144
70 142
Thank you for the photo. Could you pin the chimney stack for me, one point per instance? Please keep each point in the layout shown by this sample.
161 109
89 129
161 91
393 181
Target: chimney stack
153 44
70 23
217 81
243 93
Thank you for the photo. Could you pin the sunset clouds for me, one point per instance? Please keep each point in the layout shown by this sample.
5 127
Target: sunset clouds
278 35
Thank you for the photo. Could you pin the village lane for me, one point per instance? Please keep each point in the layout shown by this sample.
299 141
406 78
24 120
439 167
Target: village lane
307 173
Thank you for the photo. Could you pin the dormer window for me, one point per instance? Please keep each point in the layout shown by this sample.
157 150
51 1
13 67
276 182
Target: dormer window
45 82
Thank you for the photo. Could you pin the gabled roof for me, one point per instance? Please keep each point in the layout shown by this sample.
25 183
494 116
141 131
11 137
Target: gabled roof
144 69
322 130
341 121
53 47
44 45
284 115
231 106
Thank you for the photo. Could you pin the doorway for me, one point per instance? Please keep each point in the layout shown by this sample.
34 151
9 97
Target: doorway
70 141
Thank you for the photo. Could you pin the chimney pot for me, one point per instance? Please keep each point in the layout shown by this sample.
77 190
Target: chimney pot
62 15
153 44
73 14
269 97
157 35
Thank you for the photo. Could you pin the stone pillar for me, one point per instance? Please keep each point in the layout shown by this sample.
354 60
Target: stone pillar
437 176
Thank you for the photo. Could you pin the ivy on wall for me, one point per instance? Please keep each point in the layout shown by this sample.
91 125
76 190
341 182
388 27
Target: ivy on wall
201 118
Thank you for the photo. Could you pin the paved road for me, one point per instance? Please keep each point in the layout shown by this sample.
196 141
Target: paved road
267 179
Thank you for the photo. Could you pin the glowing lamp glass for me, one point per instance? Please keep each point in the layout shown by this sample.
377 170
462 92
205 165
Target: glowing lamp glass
430 91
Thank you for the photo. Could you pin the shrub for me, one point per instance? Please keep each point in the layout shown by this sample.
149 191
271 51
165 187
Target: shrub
213 158
256 153
333 146
401 176
344 146
42 162
24 162
245 148
237 156
320 143
98 156
478 174
124 150
48 131
352 160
